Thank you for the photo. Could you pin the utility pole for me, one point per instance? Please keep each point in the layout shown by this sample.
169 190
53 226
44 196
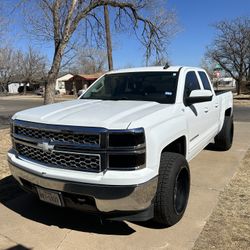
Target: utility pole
108 37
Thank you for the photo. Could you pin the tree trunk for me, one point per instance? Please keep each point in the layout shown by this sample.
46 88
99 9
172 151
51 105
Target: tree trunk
248 73
108 37
3 89
238 86
74 89
25 88
49 96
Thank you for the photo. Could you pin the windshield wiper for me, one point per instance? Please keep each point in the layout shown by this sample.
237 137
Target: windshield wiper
118 99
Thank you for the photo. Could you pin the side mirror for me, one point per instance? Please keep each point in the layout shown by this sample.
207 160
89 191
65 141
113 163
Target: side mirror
199 96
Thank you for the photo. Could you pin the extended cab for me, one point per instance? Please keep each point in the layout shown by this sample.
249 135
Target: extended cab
122 149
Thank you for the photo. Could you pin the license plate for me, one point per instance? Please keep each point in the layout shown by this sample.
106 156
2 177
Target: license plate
49 196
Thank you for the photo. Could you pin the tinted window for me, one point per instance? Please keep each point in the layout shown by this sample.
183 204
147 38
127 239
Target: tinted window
191 83
140 86
204 80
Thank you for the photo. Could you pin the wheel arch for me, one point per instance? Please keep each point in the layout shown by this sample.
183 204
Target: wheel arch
179 146
228 112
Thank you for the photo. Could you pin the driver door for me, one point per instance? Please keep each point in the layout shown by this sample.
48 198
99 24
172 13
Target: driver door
194 114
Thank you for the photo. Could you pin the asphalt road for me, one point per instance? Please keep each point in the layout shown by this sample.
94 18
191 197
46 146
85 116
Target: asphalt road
9 107
242 113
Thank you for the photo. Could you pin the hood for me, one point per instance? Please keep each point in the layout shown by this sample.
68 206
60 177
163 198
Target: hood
91 113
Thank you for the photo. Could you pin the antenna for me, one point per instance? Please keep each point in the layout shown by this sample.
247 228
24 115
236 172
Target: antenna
166 66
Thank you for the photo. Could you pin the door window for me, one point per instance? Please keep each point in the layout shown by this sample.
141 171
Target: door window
191 83
205 80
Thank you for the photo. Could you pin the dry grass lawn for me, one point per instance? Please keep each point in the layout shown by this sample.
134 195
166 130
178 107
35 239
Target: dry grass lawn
5 144
229 225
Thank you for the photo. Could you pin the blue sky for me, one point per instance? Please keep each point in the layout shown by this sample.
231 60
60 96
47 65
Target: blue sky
195 18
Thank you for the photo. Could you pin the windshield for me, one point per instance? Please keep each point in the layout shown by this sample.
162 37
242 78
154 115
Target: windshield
140 86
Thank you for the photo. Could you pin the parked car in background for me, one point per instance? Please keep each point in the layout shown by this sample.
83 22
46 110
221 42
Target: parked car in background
81 91
39 91
28 89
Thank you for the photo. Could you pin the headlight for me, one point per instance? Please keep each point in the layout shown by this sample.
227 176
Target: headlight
127 138
126 149
127 161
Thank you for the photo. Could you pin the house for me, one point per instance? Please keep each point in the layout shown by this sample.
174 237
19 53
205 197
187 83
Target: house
80 81
13 88
227 81
16 87
60 83
224 82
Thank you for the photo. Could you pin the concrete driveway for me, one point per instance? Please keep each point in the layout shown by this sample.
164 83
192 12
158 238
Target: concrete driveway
31 224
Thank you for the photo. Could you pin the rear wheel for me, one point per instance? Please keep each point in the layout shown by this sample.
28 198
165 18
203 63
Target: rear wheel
172 190
224 140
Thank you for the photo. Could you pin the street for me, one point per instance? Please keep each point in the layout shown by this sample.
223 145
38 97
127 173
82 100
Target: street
242 113
9 106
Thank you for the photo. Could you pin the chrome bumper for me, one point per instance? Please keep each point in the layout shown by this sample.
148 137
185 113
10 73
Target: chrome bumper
107 198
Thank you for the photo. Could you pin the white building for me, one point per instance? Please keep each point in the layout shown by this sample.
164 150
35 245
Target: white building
60 83
227 81
13 88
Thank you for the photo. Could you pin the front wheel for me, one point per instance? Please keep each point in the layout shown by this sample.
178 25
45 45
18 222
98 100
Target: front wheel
172 190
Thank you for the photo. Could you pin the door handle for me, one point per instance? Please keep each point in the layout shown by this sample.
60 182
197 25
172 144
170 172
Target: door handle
216 105
206 109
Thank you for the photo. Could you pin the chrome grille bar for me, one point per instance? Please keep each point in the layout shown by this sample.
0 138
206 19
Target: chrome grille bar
59 146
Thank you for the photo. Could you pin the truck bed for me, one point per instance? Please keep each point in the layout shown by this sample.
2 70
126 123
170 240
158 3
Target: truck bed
219 92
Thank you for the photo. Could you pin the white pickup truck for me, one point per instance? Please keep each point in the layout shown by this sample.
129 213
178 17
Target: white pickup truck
122 149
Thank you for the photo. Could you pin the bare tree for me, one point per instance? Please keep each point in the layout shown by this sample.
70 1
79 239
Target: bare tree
90 60
160 61
58 20
208 64
16 66
8 67
32 67
231 48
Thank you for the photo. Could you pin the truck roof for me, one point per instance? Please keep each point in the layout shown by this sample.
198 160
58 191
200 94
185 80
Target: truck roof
150 69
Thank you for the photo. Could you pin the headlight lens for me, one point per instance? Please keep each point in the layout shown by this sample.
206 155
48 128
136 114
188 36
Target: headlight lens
127 138
127 161
127 149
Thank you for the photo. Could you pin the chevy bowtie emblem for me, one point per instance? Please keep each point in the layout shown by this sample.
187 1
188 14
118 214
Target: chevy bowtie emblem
45 146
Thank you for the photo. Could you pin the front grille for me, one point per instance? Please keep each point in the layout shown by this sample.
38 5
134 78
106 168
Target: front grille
88 139
90 162
80 148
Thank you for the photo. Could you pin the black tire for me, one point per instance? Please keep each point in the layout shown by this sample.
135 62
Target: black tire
224 140
172 190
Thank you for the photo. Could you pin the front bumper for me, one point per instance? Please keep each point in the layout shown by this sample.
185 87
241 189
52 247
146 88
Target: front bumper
107 198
